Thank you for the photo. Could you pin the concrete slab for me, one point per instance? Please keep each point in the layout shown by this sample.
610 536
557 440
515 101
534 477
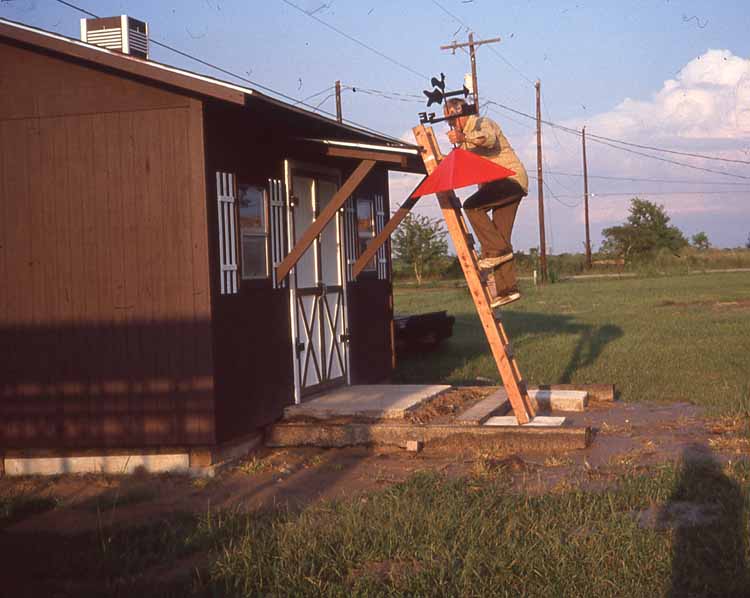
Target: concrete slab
540 421
386 401
495 404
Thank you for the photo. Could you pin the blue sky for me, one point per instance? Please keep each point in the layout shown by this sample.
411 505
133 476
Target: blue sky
671 74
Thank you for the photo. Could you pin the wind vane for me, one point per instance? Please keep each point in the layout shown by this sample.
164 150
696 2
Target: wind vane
460 168
437 95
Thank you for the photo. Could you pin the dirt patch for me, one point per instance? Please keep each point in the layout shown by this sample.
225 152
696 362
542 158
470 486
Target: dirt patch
741 304
391 572
444 408
630 438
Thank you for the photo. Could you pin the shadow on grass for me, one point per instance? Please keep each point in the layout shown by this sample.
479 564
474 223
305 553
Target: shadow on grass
469 343
706 514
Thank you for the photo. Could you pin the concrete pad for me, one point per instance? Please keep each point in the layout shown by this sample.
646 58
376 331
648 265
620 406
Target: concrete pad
540 421
495 404
386 401
115 464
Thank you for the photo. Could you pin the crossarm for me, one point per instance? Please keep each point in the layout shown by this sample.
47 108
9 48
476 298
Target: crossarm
333 206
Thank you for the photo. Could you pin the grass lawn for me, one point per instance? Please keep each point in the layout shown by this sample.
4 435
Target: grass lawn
682 338
671 529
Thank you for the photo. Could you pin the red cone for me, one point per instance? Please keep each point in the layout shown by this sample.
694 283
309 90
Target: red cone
459 169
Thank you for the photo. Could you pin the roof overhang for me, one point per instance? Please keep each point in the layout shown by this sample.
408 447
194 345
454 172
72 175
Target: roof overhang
202 85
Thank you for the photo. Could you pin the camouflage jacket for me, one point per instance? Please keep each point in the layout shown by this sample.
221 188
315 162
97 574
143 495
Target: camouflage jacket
484 137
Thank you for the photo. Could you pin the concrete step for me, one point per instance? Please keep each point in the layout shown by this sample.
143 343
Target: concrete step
540 421
495 404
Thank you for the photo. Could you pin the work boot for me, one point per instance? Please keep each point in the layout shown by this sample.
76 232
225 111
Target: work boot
505 298
492 262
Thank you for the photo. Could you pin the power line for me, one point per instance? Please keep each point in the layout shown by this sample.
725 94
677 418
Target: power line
625 149
649 180
356 41
310 97
668 151
395 97
669 161
646 192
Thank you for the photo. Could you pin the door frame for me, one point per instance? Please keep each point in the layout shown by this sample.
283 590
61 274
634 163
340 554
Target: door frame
317 172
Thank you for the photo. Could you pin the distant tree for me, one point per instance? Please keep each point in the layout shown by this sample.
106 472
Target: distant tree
700 241
420 242
747 243
645 232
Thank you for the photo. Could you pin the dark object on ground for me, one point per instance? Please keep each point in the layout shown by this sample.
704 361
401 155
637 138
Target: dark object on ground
422 331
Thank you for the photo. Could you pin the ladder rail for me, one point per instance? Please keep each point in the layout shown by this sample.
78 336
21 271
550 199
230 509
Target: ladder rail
524 407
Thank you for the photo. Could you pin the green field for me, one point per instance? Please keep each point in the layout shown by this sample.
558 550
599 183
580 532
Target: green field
682 338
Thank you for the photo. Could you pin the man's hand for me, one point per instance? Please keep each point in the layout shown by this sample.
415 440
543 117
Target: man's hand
456 137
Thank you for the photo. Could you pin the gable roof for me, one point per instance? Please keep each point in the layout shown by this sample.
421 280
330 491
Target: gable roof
181 79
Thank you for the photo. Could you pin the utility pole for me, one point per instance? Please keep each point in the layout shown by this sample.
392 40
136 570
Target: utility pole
339 116
472 45
540 183
586 201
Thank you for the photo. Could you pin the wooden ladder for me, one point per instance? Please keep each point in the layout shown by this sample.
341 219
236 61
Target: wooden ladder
524 407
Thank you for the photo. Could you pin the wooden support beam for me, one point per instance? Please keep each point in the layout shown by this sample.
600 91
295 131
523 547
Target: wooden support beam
324 218
346 152
523 406
382 236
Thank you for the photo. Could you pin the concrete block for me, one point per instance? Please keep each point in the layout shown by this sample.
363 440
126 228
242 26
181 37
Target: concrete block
414 446
597 392
560 400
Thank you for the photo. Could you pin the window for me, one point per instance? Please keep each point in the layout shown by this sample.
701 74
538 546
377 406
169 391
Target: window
253 231
365 229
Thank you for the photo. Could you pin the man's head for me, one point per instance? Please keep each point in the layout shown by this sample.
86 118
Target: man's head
456 106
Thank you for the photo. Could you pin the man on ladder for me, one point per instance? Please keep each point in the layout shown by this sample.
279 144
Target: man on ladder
483 136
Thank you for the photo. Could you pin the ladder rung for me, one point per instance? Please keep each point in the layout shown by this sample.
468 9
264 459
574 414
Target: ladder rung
509 350
470 240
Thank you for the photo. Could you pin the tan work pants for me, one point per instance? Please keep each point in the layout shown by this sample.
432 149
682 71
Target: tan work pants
502 197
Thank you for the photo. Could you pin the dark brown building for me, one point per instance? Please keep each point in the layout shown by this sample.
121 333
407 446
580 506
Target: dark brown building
144 210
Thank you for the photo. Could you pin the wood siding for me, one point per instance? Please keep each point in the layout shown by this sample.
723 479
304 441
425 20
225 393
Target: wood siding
105 334
371 306
251 330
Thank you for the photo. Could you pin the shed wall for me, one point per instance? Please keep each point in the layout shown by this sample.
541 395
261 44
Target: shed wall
105 312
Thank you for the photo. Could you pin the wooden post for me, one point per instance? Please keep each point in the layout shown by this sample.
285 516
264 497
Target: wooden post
339 116
472 45
523 407
540 185
472 55
586 201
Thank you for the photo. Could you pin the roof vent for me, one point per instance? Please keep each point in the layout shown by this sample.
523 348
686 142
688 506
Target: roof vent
122 34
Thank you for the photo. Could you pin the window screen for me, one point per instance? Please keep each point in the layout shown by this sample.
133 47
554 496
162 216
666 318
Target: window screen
253 231
365 228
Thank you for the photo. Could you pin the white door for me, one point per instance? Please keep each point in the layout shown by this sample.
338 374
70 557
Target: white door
318 290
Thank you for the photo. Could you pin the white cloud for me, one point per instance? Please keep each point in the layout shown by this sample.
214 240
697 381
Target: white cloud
704 109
